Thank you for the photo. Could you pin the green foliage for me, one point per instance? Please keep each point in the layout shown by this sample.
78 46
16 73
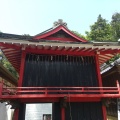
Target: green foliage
115 24
78 34
100 30
26 36
8 66
113 59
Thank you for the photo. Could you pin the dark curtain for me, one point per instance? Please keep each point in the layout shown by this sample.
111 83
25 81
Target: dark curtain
84 111
22 109
56 111
79 111
48 70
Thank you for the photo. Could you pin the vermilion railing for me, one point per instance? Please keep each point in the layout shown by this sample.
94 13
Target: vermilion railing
59 91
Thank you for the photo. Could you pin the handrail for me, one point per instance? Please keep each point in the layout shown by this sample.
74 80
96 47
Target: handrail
42 92
62 90
56 87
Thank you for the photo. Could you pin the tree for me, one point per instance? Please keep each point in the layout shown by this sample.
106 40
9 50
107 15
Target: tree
78 34
115 24
100 30
7 65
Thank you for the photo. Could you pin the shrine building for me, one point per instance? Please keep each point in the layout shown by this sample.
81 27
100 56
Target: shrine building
58 67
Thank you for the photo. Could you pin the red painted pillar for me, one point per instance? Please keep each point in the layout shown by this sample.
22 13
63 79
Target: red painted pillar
104 112
100 83
118 86
62 113
15 115
98 70
1 85
22 68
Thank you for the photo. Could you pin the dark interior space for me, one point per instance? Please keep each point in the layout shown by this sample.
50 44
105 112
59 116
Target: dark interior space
79 111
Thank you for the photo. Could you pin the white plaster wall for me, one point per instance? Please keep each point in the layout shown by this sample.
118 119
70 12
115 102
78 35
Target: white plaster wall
3 112
36 111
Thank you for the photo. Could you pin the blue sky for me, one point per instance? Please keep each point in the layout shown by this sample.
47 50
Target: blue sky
34 16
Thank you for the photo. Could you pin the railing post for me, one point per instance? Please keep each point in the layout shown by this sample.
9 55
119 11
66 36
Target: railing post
62 113
104 112
1 85
118 86
46 91
16 114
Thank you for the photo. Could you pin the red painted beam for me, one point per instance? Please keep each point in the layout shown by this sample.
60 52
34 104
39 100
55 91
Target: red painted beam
104 59
48 34
16 60
88 50
69 49
93 50
14 56
110 55
59 52
7 45
55 48
60 39
98 70
55 96
13 53
9 51
38 100
75 49
102 49
23 56
109 52
81 49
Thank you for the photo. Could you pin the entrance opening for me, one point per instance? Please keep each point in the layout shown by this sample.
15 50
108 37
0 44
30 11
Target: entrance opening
41 111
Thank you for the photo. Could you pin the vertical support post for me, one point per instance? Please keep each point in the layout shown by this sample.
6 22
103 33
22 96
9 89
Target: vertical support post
98 70
104 112
16 114
118 86
22 68
1 85
62 113
100 83
118 108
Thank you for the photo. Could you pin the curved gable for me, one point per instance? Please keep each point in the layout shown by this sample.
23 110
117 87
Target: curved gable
59 33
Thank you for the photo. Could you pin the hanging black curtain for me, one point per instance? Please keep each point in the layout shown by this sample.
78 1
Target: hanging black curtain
56 111
22 109
84 111
59 70
79 111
